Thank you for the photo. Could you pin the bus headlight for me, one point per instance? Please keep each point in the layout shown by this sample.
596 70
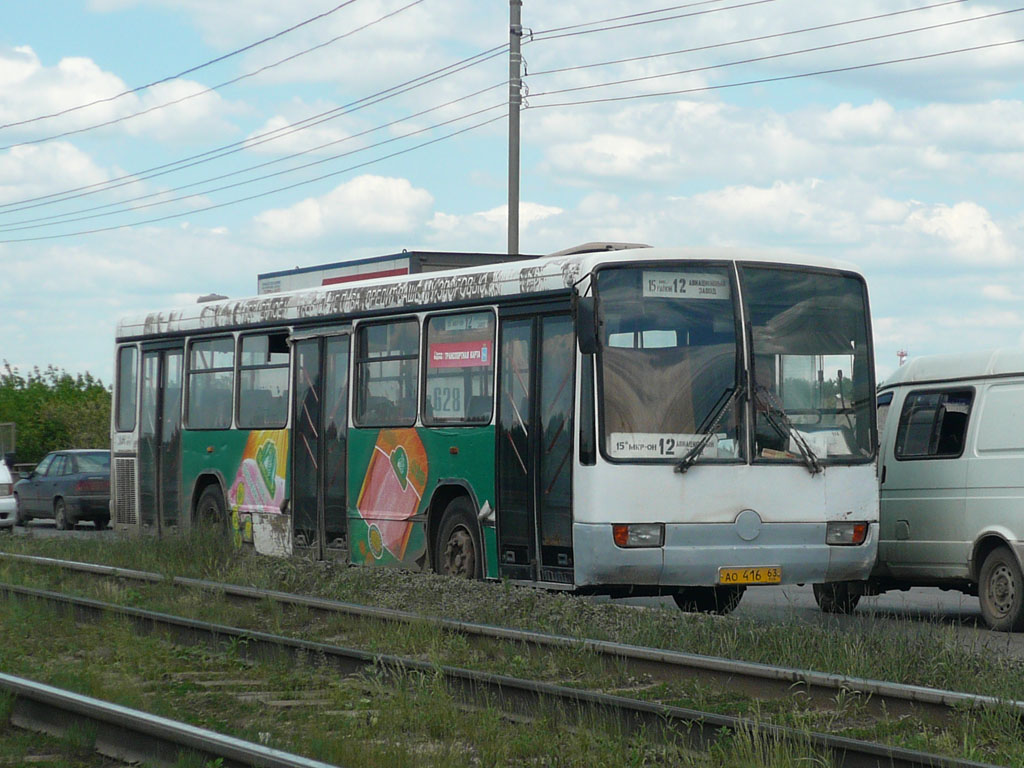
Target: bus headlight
639 534
846 534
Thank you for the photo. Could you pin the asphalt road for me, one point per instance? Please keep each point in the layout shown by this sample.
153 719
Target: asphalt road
919 611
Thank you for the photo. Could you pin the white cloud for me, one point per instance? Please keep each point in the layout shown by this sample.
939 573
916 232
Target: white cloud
28 90
366 205
486 230
1000 292
968 230
31 171
610 155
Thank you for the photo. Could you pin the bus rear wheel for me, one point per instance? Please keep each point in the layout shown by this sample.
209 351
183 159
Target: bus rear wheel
720 600
458 542
210 512
1001 591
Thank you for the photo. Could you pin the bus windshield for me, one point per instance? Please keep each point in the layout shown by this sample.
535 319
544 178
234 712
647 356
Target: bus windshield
810 359
669 362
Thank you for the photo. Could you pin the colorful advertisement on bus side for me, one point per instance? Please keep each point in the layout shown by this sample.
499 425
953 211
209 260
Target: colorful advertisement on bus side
254 466
392 475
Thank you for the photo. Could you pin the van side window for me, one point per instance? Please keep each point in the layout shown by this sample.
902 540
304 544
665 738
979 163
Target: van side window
882 411
933 424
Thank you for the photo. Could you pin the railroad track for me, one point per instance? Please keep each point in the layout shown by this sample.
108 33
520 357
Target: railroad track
695 728
761 681
134 736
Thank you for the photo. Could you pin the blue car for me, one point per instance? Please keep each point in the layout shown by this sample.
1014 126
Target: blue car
67 486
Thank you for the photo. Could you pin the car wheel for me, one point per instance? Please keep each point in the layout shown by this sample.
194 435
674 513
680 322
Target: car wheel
459 552
20 518
60 515
101 523
837 596
720 600
1001 591
210 511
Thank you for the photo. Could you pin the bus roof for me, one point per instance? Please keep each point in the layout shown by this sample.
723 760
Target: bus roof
954 367
410 292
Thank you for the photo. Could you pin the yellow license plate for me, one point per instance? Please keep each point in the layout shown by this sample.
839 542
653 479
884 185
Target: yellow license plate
768 574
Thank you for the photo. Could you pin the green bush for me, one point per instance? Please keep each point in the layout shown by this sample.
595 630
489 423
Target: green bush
52 410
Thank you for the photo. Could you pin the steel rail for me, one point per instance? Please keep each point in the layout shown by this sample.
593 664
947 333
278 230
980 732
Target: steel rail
751 678
134 736
698 729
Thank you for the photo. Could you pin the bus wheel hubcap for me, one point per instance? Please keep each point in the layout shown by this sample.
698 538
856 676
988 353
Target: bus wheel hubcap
458 553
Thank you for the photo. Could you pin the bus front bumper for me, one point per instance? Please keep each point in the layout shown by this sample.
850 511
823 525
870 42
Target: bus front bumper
693 553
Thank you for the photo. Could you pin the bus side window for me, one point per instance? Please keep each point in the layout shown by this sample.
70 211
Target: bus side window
387 368
263 381
211 372
459 368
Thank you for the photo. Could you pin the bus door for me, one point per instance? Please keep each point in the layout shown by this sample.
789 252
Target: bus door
319 444
160 437
534 451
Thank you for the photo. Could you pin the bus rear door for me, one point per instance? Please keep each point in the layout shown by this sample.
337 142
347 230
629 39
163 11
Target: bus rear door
319 444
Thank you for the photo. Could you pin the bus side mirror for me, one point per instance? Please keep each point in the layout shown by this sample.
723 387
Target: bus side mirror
586 323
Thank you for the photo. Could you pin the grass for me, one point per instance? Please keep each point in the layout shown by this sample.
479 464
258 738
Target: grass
367 720
442 733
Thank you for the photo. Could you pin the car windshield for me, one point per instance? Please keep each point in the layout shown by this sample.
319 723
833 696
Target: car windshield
811 372
93 462
669 362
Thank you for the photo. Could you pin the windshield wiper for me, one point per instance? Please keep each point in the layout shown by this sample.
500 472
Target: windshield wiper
776 414
727 396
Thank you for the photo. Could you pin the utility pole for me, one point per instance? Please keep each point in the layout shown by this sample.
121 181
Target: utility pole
515 84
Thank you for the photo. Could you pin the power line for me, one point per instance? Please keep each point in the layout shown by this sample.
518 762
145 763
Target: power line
538 36
780 78
261 194
769 57
217 87
757 39
278 133
64 218
188 71
627 16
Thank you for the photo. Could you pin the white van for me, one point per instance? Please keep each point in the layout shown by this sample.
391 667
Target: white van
951 474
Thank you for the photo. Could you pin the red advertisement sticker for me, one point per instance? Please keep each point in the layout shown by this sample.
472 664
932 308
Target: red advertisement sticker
460 354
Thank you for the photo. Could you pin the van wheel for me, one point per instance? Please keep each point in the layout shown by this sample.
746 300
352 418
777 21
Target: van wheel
1001 591
458 543
837 596
719 600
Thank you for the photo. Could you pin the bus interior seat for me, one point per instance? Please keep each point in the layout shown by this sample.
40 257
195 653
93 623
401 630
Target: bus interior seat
479 408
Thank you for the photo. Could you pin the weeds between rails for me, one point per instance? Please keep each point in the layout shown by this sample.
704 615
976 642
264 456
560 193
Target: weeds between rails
931 658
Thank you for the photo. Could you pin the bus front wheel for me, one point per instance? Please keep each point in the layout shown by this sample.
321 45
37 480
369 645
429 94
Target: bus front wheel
837 596
720 600
458 542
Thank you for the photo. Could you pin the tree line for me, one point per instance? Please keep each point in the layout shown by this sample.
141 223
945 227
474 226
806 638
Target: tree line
52 410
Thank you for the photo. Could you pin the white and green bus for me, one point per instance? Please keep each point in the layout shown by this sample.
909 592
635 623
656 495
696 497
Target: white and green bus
637 421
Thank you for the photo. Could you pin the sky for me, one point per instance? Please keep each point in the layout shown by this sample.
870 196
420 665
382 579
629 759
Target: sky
152 151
